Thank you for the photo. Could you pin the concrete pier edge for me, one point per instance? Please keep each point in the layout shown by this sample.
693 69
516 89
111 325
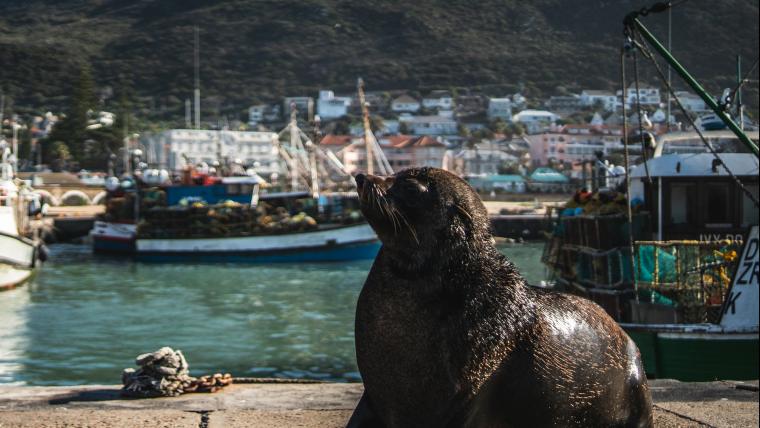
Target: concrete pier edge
677 404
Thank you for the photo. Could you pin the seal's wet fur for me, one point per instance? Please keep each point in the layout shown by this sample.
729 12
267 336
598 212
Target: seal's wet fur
449 335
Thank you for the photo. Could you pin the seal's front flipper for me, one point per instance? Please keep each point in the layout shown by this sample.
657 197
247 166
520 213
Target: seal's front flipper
363 416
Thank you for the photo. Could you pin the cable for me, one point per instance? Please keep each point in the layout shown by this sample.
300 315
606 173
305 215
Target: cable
628 177
641 125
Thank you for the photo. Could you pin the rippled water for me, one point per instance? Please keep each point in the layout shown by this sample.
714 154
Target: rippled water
84 318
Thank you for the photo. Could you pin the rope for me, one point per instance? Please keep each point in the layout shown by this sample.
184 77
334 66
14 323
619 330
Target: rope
638 108
649 55
628 176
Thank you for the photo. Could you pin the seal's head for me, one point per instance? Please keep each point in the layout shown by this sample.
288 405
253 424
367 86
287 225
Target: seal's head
418 210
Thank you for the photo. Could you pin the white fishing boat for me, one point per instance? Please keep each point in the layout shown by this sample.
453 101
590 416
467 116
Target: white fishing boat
20 249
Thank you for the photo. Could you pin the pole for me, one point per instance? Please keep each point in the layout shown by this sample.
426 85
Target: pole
197 91
367 130
739 105
670 48
709 100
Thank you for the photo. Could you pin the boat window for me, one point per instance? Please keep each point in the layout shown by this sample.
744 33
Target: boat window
233 189
718 209
679 203
749 209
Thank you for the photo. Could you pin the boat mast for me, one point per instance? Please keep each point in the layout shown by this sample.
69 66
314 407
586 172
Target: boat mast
372 147
197 73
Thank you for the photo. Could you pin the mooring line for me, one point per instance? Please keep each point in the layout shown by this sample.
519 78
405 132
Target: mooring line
680 415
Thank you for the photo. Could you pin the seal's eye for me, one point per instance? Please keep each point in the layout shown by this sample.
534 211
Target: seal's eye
414 186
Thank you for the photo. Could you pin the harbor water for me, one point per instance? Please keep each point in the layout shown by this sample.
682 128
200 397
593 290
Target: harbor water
84 318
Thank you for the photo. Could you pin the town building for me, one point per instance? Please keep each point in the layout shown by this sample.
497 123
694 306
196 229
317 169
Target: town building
649 96
535 121
439 100
564 104
331 107
176 148
571 144
429 125
485 157
264 113
604 99
691 102
304 106
401 151
500 108
509 183
548 180
405 103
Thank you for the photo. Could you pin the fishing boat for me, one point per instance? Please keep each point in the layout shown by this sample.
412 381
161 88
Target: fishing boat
674 256
21 250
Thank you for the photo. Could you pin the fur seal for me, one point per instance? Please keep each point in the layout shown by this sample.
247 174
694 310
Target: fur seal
448 334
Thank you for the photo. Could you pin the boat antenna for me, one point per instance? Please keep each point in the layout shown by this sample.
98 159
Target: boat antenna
197 92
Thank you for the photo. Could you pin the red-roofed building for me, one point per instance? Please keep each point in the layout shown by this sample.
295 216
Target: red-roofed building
336 142
402 151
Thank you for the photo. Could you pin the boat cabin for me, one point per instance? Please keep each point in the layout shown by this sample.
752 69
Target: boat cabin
693 195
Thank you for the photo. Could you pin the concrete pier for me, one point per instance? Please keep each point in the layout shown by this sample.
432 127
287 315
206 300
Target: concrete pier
677 404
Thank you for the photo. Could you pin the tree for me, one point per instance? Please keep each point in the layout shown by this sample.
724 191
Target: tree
71 130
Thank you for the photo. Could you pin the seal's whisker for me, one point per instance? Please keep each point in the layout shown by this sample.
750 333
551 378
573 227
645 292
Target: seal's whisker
408 226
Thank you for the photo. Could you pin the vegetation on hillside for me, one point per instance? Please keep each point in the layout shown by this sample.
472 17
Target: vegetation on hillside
259 50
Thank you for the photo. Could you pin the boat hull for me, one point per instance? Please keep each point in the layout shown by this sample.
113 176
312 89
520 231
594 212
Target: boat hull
697 357
113 238
13 276
354 242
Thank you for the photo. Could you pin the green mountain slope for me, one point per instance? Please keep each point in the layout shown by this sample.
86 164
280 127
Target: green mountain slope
253 50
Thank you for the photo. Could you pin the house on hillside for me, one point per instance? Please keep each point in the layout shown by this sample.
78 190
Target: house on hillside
500 108
336 143
263 113
401 151
606 99
536 120
331 107
429 125
304 106
691 102
564 104
649 96
483 158
405 103
439 100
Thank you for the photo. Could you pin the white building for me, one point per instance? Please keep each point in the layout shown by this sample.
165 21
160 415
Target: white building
535 120
691 102
438 100
500 108
590 98
429 125
256 114
405 103
176 148
648 96
331 107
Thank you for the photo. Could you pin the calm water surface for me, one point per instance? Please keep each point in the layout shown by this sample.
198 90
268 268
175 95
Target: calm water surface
84 318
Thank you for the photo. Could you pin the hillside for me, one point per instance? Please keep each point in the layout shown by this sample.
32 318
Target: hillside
254 50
